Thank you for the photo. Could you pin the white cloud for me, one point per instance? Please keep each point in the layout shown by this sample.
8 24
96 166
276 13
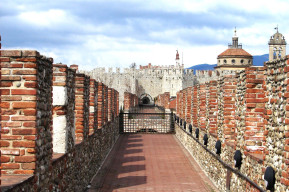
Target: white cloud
45 18
117 33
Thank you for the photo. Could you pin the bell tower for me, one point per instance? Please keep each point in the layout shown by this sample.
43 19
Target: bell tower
277 46
177 58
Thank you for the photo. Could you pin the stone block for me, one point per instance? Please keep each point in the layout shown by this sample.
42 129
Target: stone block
59 134
59 95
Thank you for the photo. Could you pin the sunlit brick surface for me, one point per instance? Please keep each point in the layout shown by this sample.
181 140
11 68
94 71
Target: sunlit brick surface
151 163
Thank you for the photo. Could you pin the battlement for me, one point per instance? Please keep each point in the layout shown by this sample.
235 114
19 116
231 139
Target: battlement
203 76
49 115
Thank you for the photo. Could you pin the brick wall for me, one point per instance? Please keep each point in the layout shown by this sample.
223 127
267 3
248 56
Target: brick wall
130 101
163 100
93 106
63 108
247 112
20 99
212 108
81 106
105 103
188 115
49 123
229 107
203 107
100 105
255 110
110 96
195 104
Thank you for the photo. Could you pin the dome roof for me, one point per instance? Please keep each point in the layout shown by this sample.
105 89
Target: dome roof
277 39
235 52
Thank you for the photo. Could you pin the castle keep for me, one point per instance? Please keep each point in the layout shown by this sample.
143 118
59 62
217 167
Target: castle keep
148 81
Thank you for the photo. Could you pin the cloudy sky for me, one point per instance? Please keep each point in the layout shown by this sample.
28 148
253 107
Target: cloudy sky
110 33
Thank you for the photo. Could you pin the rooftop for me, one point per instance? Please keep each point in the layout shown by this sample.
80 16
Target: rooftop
235 52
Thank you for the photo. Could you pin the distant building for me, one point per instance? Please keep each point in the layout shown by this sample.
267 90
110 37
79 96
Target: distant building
234 58
277 46
148 81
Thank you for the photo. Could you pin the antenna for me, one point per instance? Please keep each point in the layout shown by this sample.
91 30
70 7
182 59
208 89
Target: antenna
182 58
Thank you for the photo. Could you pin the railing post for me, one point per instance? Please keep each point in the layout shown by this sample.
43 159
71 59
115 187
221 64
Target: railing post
172 122
121 122
228 180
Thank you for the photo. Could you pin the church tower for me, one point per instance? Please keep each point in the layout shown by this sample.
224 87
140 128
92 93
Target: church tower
277 46
177 59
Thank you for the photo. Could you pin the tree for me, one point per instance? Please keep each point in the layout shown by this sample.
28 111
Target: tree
132 66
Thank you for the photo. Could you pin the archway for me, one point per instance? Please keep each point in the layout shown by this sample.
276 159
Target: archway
146 99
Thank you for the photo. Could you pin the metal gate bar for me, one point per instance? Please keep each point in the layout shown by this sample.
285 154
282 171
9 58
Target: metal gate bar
146 123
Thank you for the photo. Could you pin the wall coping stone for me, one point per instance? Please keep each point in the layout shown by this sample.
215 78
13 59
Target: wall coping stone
257 157
11 181
57 156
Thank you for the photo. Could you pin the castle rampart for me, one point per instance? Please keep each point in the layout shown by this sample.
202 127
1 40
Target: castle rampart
53 120
246 111
152 80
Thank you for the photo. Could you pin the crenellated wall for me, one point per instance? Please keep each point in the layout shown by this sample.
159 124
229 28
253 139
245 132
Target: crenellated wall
246 111
53 119
152 80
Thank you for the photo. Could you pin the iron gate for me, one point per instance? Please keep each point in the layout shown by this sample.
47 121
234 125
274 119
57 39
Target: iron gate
146 123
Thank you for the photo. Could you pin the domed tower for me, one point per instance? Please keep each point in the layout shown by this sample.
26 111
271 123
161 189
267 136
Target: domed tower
277 46
234 58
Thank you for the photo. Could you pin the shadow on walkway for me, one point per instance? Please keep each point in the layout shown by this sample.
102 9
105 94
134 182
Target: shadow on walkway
123 160
149 162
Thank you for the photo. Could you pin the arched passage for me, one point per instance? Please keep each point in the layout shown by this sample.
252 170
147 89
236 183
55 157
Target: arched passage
146 99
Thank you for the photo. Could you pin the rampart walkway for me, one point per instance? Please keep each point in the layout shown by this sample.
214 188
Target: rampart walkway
150 162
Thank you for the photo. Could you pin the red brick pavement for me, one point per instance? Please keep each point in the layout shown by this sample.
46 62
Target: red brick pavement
151 162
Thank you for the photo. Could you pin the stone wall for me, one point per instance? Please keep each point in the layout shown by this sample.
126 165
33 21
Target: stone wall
152 81
246 111
53 120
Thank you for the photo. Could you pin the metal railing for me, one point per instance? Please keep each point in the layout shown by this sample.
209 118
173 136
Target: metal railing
230 169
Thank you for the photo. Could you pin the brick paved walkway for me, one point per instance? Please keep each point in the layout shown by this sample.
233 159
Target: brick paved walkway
150 162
